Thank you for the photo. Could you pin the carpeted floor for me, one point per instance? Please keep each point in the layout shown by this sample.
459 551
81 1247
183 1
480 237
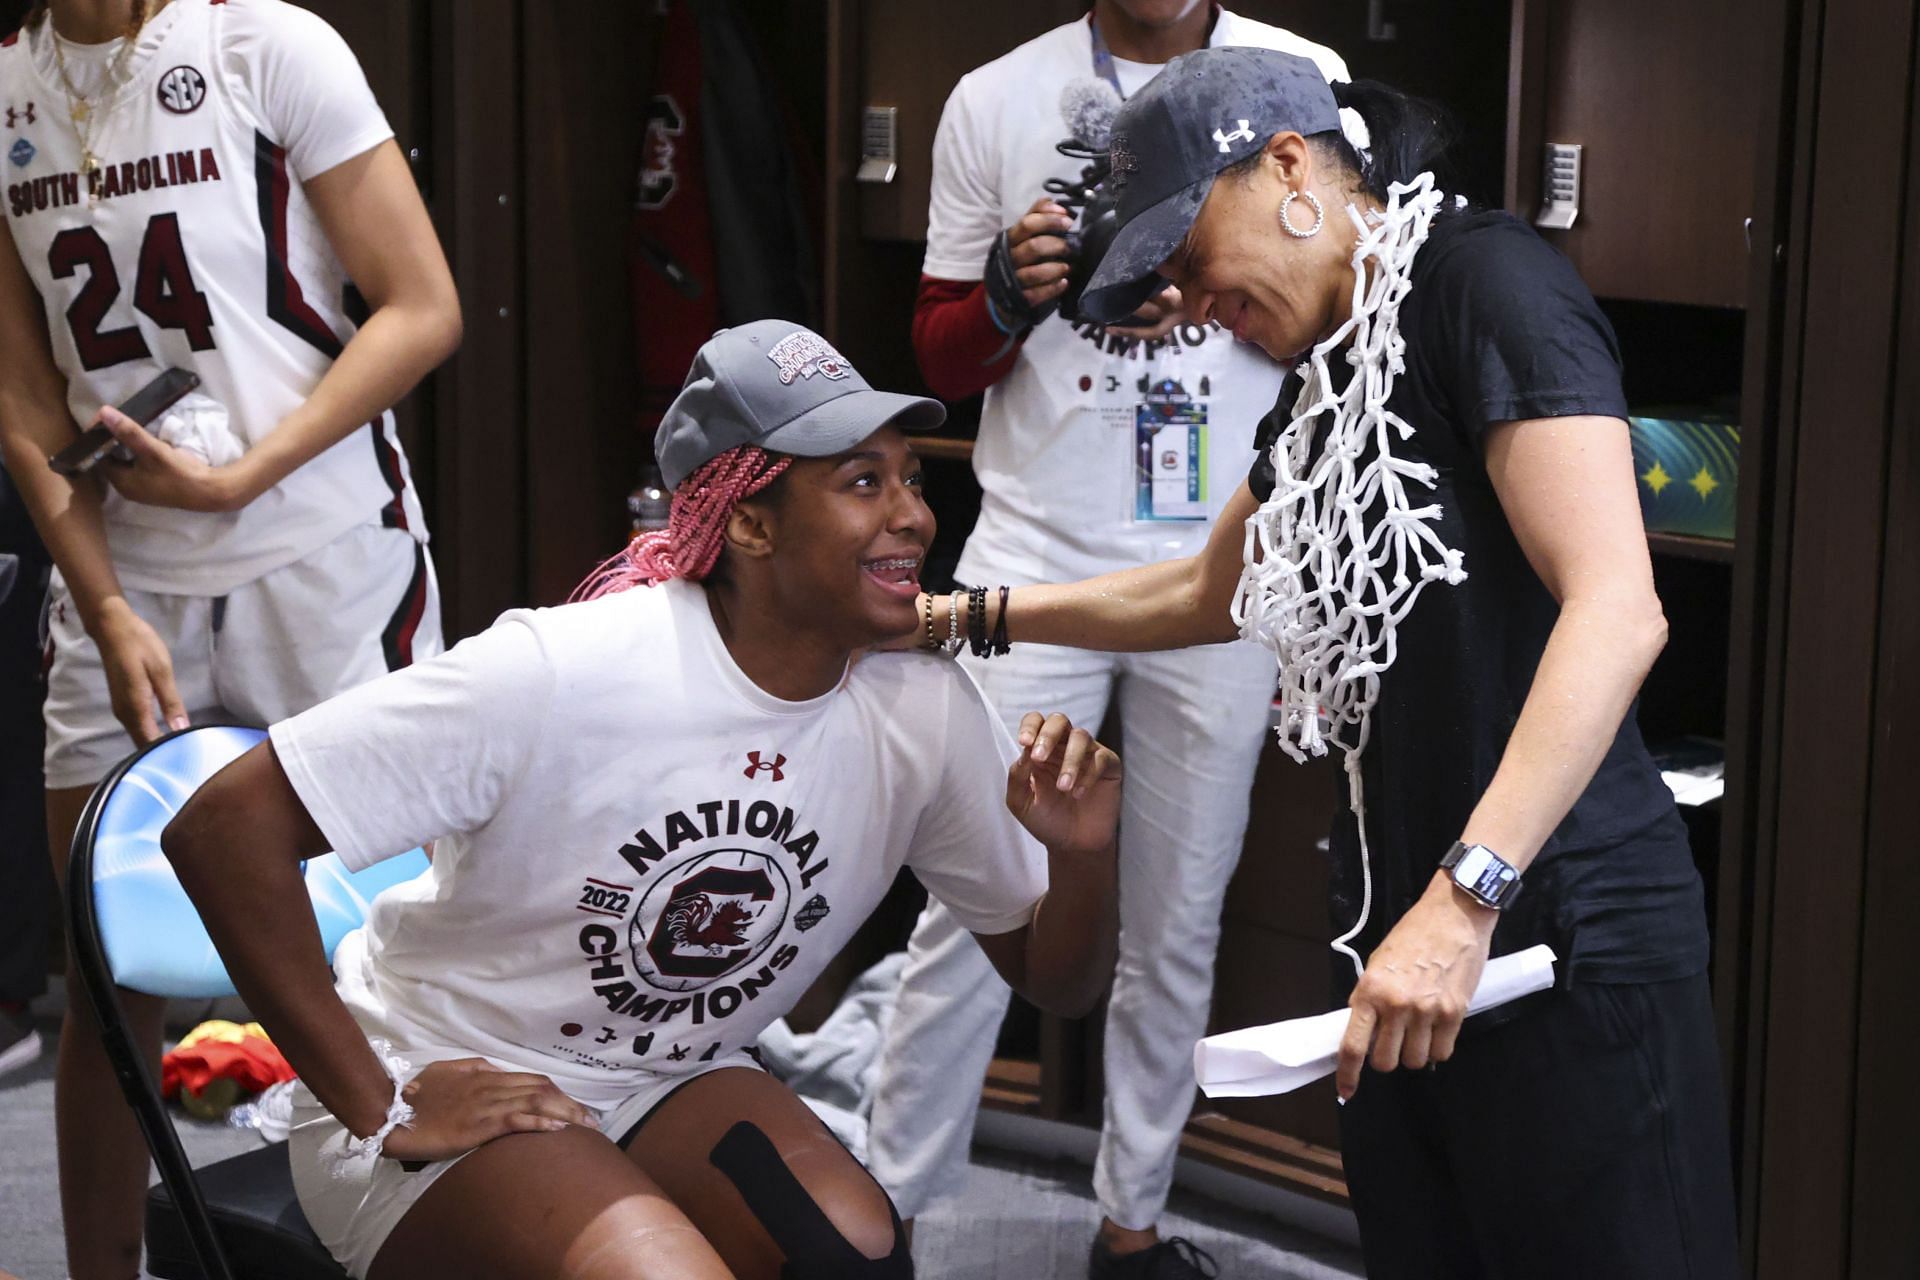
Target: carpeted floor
1019 1219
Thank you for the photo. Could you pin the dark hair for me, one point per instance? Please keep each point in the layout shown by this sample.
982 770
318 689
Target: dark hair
1407 137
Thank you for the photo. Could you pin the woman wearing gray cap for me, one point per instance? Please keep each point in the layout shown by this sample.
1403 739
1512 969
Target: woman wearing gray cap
657 813
1441 541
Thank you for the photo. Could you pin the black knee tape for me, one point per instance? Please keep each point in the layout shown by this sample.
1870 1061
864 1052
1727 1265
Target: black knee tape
815 1249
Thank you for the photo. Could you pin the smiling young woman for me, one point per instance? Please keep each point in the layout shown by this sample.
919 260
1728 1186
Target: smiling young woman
658 812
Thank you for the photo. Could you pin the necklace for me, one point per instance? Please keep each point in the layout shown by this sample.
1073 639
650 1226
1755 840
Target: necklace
88 118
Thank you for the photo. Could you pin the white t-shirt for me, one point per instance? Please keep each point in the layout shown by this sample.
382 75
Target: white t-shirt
202 253
1061 453
641 857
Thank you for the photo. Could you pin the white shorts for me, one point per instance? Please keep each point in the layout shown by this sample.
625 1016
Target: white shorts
365 604
354 1215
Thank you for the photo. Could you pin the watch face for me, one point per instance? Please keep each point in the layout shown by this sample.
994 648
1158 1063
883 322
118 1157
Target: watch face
1483 874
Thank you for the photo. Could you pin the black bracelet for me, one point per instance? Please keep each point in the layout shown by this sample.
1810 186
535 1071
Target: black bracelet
1000 644
977 622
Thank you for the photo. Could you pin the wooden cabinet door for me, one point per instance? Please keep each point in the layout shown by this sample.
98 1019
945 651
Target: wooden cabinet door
1665 100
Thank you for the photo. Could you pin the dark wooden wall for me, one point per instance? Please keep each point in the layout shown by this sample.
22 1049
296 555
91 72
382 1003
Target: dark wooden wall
1825 1031
524 122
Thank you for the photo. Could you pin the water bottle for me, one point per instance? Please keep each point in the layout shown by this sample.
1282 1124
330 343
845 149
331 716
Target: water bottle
650 503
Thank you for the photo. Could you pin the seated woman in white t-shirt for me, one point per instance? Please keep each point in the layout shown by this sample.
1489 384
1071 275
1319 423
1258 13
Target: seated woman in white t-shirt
657 814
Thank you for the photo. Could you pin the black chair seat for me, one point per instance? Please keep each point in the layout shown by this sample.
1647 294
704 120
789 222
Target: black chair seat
250 1199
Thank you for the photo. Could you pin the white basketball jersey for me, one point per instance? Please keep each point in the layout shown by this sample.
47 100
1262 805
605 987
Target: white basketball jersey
194 247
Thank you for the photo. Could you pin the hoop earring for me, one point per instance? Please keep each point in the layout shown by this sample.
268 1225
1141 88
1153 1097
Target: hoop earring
1319 215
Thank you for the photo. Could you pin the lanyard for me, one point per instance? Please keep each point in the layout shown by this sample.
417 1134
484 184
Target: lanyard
1103 56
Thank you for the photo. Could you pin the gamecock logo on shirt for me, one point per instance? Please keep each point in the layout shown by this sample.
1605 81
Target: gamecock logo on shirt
708 917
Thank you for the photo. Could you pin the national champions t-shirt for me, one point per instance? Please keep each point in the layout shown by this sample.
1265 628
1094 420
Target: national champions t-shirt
641 858
1080 439
1499 327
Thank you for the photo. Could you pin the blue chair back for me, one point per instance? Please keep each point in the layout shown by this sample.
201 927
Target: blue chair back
149 931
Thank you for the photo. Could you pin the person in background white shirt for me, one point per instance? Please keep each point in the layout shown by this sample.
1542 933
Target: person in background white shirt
191 184
1071 409
657 814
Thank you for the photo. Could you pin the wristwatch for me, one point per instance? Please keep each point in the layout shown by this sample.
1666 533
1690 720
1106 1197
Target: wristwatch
1482 875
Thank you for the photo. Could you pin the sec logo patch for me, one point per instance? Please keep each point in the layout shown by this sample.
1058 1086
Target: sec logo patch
182 90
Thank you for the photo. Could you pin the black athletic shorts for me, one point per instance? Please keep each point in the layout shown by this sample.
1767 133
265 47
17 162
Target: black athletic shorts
1585 1138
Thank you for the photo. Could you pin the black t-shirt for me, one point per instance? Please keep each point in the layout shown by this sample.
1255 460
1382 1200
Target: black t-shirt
1499 327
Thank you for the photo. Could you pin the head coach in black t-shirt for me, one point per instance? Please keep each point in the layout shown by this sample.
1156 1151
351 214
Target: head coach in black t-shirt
1441 540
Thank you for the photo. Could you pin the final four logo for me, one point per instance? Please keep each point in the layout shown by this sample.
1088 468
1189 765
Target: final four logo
707 917
801 355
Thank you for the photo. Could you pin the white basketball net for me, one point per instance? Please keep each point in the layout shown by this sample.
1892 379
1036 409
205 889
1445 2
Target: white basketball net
1321 589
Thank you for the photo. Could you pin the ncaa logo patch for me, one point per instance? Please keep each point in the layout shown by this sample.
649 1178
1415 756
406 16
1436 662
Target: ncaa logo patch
22 153
182 90
707 917
815 910
801 355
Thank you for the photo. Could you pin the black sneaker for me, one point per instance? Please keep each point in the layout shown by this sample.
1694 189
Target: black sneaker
19 1042
1176 1258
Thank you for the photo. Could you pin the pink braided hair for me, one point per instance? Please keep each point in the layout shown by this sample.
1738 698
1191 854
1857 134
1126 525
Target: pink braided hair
689 546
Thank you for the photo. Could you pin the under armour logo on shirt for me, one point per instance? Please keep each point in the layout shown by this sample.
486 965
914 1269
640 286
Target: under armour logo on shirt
14 116
1226 140
756 765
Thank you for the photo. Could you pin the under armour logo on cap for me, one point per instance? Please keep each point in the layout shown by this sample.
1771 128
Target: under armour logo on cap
1226 140
1121 162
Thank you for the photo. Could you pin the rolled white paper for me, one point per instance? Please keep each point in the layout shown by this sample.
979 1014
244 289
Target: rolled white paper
1282 1056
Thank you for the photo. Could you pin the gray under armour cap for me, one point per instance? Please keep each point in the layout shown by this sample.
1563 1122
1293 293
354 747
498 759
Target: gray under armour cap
779 386
1203 112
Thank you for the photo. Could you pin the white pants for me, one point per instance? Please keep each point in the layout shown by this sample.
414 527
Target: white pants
1194 722
364 604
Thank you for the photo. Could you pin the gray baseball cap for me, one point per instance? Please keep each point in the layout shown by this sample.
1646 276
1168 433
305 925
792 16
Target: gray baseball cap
1204 111
780 386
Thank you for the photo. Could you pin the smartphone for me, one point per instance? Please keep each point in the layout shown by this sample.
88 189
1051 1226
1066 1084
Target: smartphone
143 406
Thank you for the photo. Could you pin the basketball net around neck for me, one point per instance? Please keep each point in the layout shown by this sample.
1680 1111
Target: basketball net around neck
1322 589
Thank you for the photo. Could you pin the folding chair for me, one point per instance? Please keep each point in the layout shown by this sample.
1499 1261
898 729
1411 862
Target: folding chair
133 926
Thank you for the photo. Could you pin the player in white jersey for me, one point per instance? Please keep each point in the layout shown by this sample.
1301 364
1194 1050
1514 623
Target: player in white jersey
659 813
1073 410
191 184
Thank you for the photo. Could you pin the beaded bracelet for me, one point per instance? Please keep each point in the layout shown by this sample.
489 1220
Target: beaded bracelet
953 641
977 621
927 604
